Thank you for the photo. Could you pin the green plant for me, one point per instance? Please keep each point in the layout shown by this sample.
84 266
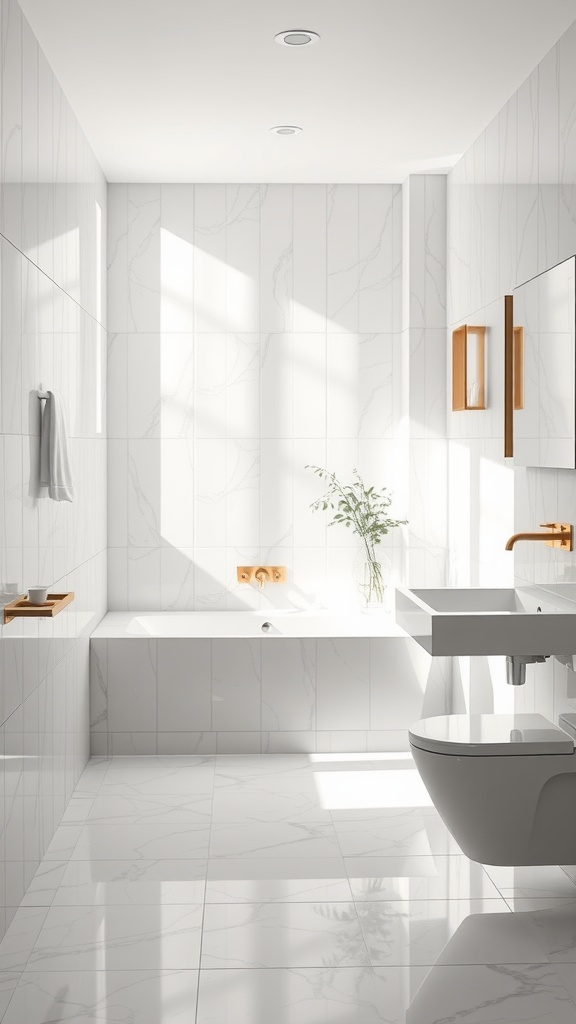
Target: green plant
364 510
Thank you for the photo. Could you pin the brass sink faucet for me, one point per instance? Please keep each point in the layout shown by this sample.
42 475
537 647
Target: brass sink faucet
560 535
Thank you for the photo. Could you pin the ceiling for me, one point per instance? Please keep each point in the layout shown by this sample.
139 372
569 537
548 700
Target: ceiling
186 90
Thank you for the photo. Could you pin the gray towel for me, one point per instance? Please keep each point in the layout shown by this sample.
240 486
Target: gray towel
55 470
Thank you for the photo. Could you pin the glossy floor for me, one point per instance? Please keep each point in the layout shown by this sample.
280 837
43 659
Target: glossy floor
293 889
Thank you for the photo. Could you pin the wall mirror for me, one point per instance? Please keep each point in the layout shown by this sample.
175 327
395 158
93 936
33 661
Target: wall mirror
542 388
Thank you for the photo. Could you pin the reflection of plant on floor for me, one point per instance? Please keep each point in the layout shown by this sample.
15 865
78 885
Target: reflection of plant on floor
364 510
349 946
378 922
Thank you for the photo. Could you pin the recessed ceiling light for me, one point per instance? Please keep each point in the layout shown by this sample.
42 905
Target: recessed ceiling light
296 37
285 129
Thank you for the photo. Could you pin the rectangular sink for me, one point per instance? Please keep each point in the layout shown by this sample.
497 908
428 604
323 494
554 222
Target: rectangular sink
500 620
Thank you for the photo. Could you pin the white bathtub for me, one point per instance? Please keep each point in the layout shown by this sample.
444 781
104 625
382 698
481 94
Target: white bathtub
215 683
212 625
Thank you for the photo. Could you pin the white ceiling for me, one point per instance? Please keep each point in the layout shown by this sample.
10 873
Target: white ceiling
186 90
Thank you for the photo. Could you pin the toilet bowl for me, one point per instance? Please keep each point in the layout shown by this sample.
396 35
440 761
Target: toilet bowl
504 785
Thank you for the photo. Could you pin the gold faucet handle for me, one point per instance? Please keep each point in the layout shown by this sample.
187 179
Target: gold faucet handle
553 526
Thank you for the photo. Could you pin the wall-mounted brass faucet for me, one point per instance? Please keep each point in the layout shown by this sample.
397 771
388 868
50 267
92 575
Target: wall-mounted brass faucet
261 574
559 535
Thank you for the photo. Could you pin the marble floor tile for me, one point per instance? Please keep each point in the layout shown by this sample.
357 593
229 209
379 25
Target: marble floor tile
491 994
135 761
154 781
298 914
553 924
418 878
125 883
423 933
130 842
273 839
532 882
285 801
44 885
329 995
160 810
21 934
119 939
266 764
519 994
8 984
88 785
77 811
94 997
404 833
277 880
63 842
282 935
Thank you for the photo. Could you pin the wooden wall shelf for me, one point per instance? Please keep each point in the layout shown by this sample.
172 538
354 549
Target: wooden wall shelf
21 607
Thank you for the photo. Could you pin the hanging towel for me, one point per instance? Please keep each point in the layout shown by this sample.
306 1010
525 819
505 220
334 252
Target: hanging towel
55 471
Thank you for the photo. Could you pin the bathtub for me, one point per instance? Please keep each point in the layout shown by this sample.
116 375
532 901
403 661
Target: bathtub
297 624
217 683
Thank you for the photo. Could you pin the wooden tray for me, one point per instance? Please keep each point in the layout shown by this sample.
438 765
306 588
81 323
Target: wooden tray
21 607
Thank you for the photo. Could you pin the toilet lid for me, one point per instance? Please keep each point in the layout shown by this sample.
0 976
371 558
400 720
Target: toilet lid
474 735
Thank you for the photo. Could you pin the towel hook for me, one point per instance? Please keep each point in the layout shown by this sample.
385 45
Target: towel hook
42 395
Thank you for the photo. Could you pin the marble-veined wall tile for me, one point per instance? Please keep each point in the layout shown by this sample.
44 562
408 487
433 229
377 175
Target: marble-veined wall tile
177 258
276 259
310 258
242 393
11 79
143 578
236 685
344 266
177 494
567 143
179 396
210 480
343 684
435 245
548 162
376 251
210 258
144 257
243 488
309 383
30 127
144 385
132 682
243 204
177 572
289 685
184 685
277 385
117 258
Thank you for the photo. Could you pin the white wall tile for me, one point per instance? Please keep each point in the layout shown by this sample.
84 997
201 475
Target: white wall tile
254 404
49 180
343 688
289 685
131 674
184 686
236 686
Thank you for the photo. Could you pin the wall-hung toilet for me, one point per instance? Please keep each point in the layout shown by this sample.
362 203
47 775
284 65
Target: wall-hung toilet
505 785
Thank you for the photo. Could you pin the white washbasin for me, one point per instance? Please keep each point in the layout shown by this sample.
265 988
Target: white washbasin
500 620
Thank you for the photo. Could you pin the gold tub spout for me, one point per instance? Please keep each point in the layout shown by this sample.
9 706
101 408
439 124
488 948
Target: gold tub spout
559 535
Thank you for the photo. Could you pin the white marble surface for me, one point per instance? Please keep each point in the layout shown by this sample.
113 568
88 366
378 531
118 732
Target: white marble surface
53 316
253 330
253 695
511 203
272 921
